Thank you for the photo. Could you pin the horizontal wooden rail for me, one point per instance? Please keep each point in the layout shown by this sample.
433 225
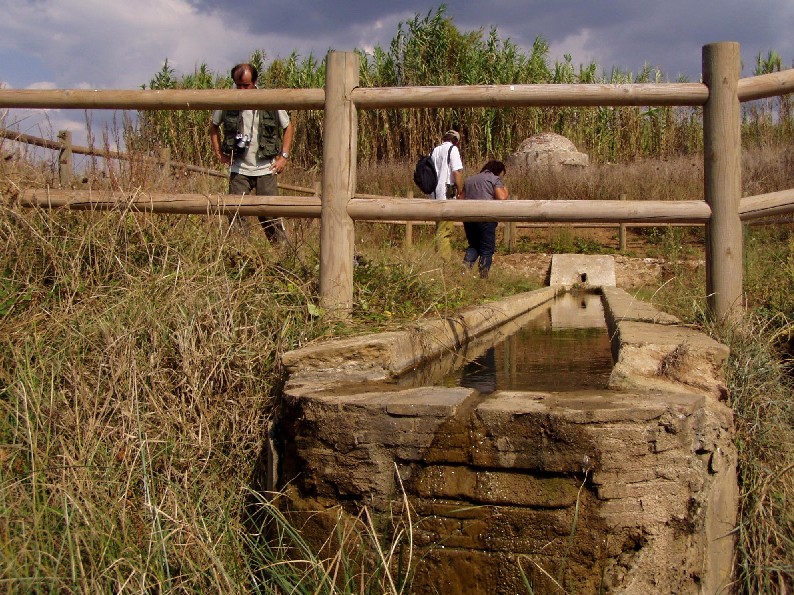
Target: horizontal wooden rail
576 225
419 209
106 154
189 204
766 85
765 205
545 225
614 211
533 213
56 145
751 88
299 99
756 87
36 141
531 95
196 169
363 97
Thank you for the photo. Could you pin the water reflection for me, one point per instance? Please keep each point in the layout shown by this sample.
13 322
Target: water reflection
565 348
480 373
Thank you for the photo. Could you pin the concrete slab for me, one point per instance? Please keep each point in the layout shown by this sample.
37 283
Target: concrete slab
582 270
623 307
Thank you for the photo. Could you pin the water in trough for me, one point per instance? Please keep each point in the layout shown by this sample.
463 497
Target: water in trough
562 346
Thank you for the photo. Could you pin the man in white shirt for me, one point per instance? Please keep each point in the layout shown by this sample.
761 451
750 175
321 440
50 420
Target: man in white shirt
449 167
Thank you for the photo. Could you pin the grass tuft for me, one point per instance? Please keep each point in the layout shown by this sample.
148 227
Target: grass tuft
760 395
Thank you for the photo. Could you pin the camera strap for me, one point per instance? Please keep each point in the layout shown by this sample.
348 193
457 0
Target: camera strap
254 116
241 124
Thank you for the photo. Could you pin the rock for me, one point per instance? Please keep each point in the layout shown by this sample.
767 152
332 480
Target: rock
547 150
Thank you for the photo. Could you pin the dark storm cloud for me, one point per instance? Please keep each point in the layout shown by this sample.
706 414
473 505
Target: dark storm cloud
121 44
624 34
629 34
305 19
128 42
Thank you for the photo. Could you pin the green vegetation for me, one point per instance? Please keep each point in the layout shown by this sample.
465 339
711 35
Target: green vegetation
430 50
140 356
760 395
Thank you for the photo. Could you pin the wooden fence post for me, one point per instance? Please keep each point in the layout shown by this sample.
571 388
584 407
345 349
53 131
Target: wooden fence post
409 227
506 232
65 161
622 231
337 234
165 161
722 178
512 228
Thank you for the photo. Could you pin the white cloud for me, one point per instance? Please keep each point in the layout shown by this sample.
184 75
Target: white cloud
46 85
117 44
578 45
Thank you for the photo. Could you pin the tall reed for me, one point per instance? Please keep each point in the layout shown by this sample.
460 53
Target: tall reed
430 50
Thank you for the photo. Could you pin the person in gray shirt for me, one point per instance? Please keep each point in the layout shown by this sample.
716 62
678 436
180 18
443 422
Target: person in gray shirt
481 235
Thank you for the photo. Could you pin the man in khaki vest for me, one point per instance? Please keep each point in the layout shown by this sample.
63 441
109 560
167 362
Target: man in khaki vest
256 145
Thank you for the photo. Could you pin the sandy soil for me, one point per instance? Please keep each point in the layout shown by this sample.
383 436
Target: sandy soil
630 273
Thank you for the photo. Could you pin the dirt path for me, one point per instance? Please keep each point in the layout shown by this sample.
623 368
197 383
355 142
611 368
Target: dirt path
632 272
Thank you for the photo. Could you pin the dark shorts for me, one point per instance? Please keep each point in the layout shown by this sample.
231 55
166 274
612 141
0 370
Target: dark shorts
261 186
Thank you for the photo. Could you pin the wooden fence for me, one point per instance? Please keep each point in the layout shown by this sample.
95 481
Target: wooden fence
339 205
66 150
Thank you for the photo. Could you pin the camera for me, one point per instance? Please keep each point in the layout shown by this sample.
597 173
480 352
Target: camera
241 141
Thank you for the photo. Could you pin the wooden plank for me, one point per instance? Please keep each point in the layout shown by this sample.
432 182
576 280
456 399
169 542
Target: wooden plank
531 95
188 99
539 213
593 211
27 139
766 85
641 94
764 205
189 204
81 150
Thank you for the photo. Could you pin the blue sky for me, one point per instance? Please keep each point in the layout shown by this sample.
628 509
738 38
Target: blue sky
115 44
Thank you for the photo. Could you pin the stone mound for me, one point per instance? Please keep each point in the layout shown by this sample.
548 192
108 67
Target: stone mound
547 150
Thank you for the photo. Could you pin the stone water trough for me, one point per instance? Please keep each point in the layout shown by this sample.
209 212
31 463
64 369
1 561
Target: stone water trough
630 489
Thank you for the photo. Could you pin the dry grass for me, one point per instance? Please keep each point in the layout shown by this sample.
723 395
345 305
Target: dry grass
760 395
139 360
138 363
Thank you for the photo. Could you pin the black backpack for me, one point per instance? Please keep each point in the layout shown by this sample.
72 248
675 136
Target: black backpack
425 175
